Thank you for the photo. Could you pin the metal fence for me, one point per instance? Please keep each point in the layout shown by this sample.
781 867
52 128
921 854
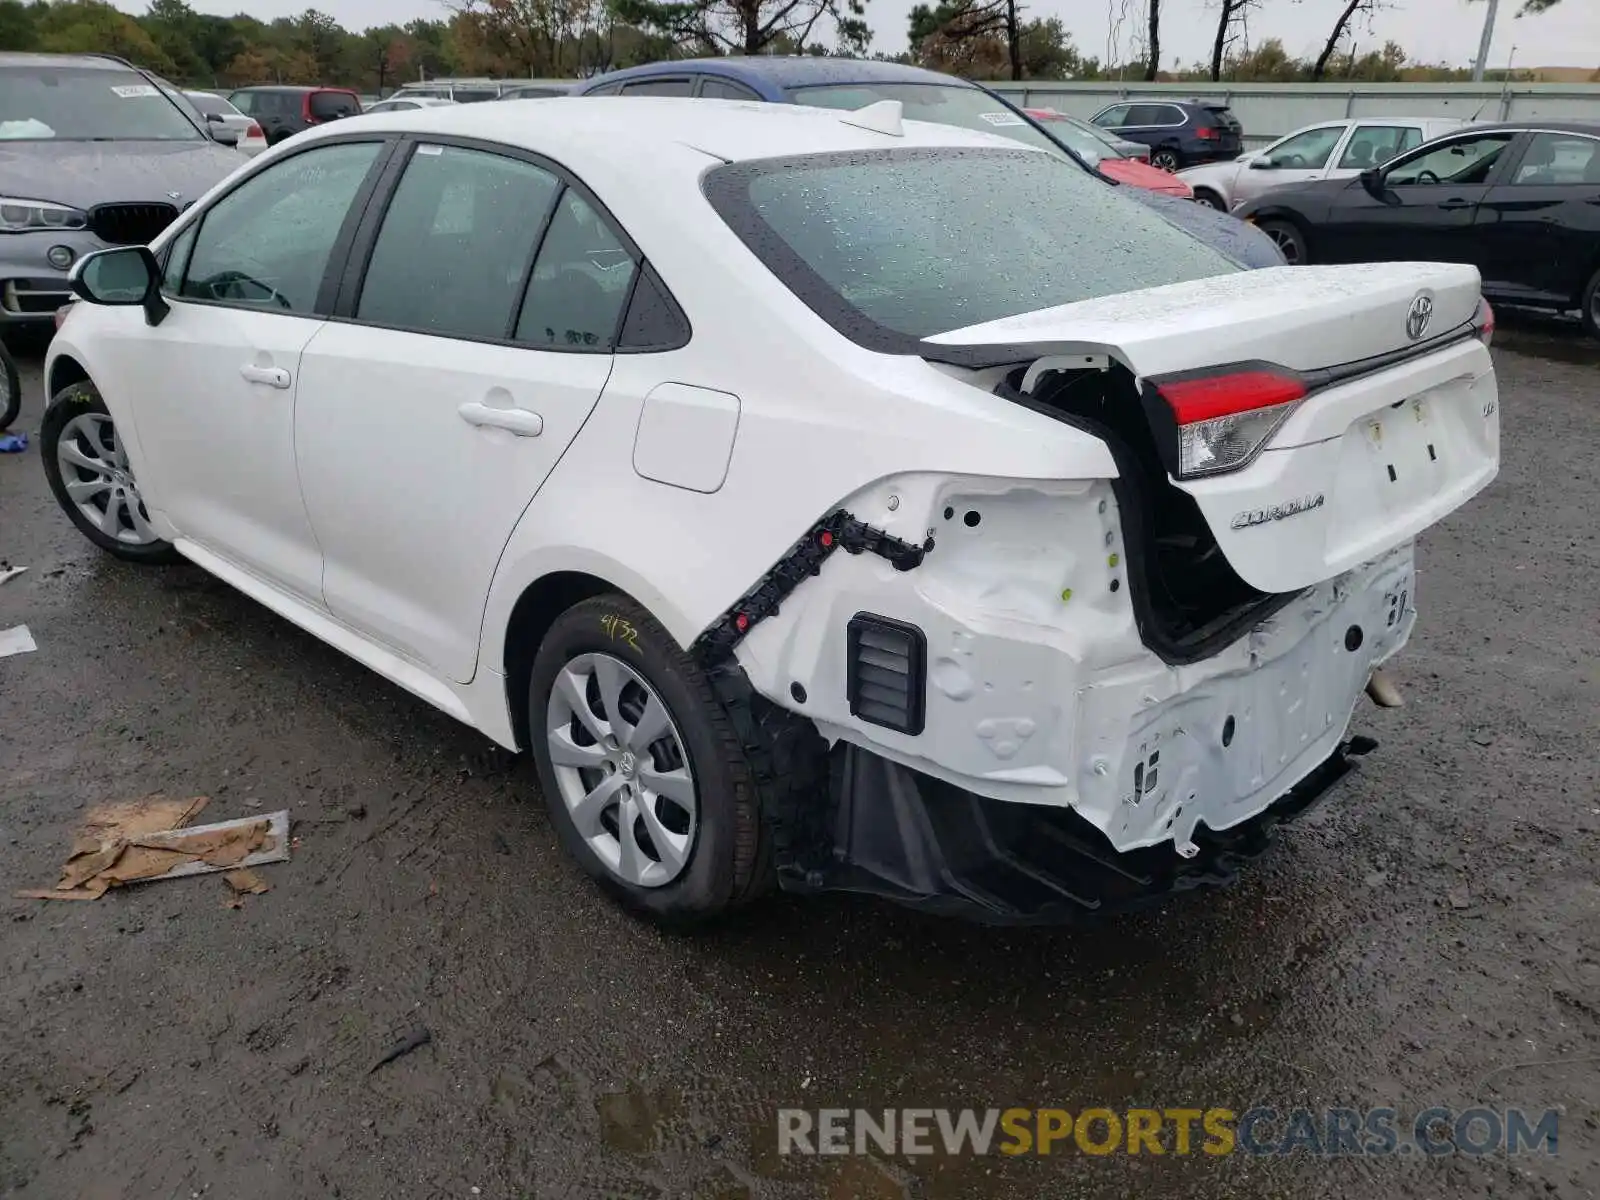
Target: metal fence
1270 110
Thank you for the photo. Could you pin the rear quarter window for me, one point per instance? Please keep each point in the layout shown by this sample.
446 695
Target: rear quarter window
894 246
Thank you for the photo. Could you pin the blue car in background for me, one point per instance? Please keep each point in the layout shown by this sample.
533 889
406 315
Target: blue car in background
848 83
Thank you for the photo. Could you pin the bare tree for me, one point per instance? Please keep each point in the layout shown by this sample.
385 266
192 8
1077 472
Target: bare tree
1351 9
1153 58
1233 15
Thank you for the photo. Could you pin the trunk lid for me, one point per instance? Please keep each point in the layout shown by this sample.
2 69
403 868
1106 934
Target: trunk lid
1399 425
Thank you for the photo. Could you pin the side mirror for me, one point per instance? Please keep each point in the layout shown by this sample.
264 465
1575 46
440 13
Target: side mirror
1372 180
224 136
1261 164
124 277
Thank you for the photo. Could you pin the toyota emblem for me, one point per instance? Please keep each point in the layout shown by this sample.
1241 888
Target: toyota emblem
1420 316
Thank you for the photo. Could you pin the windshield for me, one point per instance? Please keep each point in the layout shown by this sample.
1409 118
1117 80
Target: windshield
1092 149
87 104
944 104
896 245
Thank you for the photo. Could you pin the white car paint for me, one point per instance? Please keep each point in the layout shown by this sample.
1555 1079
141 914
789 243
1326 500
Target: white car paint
347 477
251 140
407 104
1351 147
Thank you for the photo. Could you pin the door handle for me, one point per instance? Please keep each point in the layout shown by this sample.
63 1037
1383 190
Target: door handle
271 376
518 420
1455 202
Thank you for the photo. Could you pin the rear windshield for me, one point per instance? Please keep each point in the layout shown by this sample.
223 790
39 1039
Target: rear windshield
209 104
327 106
48 103
892 246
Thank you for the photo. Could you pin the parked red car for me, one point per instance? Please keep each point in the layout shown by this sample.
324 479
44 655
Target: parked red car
1102 152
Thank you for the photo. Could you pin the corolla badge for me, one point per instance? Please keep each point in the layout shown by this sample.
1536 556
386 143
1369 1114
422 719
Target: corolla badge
1278 512
1420 316
174 195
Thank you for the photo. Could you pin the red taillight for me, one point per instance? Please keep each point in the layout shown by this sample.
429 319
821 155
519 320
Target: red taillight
1224 419
254 131
1213 396
1205 133
1483 323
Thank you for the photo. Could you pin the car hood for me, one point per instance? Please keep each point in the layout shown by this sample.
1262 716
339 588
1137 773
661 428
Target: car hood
83 174
1143 175
1218 174
1244 244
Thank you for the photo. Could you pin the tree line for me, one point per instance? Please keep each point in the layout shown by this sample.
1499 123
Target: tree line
979 39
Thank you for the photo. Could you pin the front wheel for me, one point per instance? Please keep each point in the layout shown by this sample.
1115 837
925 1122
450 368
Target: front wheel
89 472
11 398
1166 158
1289 240
1209 199
1591 306
643 775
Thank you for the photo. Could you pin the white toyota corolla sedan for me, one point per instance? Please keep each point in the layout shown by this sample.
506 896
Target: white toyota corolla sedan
821 498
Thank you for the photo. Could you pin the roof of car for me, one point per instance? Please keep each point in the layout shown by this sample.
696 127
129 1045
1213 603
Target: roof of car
789 71
106 62
293 87
596 128
1592 128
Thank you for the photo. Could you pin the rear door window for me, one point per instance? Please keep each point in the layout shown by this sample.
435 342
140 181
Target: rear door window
725 89
1557 158
659 87
456 242
581 282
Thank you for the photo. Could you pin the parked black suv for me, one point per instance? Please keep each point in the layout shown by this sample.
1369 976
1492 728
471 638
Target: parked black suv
283 111
1180 133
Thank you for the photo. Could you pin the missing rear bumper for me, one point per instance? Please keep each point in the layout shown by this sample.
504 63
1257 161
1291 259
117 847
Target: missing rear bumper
924 843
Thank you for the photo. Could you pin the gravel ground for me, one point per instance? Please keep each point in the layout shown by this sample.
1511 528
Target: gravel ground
1428 936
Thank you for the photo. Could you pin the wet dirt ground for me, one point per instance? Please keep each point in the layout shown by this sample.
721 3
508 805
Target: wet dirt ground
1429 936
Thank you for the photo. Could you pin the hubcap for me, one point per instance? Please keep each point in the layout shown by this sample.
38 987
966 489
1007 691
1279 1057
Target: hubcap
622 770
100 482
1285 242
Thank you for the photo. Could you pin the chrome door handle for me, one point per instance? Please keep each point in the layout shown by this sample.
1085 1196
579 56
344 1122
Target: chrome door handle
518 420
271 376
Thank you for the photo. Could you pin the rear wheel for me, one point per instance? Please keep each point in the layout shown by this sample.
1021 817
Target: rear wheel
1591 306
89 472
1289 240
1210 199
1167 158
644 777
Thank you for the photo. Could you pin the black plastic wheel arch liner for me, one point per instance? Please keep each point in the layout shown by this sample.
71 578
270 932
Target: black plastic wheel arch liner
905 836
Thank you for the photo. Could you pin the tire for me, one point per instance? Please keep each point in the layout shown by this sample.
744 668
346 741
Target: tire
1167 158
77 420
11 398
1590 308
1289 239
726 859
1210 199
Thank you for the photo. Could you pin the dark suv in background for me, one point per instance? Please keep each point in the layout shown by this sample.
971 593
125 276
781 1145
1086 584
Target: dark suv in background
1180 133
283 111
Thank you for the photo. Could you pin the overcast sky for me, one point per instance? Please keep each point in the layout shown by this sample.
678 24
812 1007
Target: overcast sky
1430 30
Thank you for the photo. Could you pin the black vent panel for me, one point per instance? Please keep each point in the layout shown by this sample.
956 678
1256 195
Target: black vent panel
130 224
887 678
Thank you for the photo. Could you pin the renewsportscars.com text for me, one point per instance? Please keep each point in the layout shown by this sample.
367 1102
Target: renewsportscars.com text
1178 1131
